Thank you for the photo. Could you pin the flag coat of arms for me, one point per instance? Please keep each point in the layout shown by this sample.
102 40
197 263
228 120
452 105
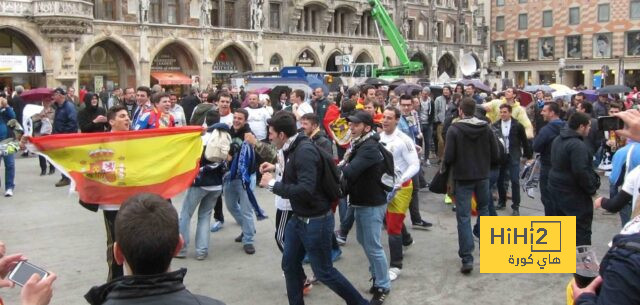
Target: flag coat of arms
109 167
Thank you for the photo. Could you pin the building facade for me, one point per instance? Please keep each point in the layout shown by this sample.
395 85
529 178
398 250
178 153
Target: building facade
124 43
589 43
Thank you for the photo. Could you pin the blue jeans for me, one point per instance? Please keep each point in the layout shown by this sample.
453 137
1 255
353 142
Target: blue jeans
346 216
238 204
196 196
368 231
493 179
9 171
463 192
314 239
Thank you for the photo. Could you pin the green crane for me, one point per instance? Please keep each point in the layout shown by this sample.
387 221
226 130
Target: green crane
407 67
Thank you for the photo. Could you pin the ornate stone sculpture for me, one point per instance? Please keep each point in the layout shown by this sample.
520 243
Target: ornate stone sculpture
205 13
144 11
256 14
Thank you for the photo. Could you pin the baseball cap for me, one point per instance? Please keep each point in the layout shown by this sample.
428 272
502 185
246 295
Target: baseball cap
361 117
59 90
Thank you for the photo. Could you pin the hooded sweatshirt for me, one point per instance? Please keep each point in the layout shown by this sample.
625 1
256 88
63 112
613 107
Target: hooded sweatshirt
571 164
86 117
470 149
542 142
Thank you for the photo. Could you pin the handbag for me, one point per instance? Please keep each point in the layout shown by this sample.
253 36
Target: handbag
440 180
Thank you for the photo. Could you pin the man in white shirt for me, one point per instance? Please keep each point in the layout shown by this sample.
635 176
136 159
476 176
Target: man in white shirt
176 110
407 164
224 107
258 117
300 107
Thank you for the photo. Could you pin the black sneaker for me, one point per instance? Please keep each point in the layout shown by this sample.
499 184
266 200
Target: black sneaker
422 225
500 206
239 238
249 249
466 268
515 213
379 294
341 239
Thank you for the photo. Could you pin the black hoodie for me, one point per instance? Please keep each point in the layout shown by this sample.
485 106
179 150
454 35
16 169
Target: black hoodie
86 117
470 149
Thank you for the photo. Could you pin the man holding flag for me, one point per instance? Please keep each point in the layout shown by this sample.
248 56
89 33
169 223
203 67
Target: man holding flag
65 121
107 168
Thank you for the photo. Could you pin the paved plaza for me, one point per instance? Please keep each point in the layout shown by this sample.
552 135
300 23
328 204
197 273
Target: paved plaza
50 227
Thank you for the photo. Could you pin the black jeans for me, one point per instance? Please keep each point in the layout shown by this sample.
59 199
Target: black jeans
43 164
115 270
414 206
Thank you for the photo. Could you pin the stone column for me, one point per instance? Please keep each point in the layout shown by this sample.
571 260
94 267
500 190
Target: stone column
206 76
145 61
338 23
118 8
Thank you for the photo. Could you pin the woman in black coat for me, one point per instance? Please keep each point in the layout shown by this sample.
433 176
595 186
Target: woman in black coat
92 118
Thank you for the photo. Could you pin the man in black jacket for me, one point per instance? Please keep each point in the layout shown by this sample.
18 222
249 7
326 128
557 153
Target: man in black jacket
517 145
572 180
595 137
362 171
542 145
470 149
309 229
189 103
311 126
147 237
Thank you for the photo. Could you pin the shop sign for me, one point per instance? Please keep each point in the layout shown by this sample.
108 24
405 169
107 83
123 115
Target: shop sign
165 62
224 65
20 64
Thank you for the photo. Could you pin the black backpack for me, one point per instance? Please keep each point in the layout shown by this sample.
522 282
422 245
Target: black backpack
503 154
330 175
330 183
388 178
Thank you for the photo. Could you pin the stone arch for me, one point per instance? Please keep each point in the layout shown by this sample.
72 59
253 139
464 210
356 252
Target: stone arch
111 59
275 62
33 40
363 57
184 44
230 59
118 41
322 4
242 48
447 63
310 54
426 62
29 45
330 62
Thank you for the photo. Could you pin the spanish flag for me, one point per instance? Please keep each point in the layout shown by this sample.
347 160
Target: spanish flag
109 167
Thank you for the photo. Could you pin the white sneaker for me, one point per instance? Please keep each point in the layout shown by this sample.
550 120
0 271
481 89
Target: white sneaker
394 273
8 193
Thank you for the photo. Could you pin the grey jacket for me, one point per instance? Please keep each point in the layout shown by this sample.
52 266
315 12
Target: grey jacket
440 107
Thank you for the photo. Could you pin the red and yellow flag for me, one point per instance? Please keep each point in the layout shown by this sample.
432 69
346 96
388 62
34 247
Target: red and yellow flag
110 167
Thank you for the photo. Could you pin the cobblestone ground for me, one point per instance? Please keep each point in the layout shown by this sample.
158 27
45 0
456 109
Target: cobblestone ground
47 224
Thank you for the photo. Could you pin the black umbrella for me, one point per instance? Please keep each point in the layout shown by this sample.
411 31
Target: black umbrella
376 82
274 94
476 83
613 89
407 89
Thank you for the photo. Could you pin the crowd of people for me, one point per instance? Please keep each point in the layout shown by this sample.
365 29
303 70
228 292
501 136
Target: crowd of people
375 142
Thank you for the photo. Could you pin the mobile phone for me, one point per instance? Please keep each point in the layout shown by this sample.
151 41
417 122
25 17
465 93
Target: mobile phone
606 123
23 272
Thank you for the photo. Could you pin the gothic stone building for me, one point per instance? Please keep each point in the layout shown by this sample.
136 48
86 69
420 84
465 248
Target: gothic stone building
123 43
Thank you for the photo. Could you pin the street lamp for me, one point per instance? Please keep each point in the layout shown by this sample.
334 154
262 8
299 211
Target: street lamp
561 65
